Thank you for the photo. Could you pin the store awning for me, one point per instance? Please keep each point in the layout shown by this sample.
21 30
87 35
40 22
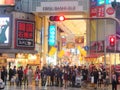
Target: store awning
95 55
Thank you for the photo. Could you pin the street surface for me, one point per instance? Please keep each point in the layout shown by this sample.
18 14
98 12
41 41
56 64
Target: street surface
33 87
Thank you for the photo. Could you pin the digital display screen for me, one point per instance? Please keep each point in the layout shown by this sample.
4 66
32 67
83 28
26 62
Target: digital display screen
5 31
25 31
7 2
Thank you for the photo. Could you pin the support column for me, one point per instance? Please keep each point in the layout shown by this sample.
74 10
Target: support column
45 43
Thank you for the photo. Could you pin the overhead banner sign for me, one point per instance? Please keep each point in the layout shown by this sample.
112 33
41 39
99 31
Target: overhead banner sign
59 6
25 34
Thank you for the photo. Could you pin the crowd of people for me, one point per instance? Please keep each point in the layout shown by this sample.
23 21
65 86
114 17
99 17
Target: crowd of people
62 76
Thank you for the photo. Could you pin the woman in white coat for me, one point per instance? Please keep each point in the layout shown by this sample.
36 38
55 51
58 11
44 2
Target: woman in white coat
30 75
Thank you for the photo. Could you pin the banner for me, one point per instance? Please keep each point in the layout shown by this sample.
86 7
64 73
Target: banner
52 51
61 53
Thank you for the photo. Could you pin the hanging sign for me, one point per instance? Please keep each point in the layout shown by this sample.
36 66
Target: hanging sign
52 35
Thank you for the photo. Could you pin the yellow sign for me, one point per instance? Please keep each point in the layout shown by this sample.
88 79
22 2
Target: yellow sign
82 51
61 53
52 51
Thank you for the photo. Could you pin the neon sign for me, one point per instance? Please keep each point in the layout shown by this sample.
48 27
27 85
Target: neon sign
101 2
52 35
25 34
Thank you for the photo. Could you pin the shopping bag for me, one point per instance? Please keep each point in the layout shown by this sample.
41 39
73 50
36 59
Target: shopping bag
92 79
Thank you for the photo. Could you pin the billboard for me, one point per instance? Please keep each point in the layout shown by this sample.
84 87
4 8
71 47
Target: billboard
7 2
25 34
5 31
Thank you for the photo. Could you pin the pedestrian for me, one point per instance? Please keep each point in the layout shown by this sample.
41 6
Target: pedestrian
95 75
65 78
114 81
30 74
11 75
4 74
99 78
20 75
25 76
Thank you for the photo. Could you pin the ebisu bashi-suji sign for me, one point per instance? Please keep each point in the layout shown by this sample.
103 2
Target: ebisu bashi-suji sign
25 37
52 35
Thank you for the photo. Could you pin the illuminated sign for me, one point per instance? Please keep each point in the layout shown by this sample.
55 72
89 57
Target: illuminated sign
7 2
5 29
108 1
93 3
100 2
52 35
25 34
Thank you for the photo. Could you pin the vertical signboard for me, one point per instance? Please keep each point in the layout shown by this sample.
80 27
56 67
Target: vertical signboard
5 31
93 12
25 34
52 35
101 11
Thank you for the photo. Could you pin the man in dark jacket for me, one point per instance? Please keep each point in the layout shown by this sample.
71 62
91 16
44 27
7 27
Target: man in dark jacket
20 75
4 74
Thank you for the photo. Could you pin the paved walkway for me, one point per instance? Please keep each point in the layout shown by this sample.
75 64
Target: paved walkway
33 87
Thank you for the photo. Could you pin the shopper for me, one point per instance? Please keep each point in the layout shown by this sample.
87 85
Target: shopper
30 74
4 74
26 76
114 81
20 75
99 78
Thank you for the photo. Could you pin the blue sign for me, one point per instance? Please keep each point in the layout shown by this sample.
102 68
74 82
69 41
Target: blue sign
52 35
109 1
93 3
86 48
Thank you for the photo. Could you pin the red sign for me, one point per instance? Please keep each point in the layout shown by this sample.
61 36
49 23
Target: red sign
110 11
93 12
7 2
101 11
25 34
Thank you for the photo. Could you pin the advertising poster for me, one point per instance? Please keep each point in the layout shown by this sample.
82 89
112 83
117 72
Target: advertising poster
25 34
5 31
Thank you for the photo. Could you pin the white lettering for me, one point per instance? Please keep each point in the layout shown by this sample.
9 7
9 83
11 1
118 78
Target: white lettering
72 8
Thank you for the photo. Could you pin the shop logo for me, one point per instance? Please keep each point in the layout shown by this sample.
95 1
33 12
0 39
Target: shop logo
110 11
